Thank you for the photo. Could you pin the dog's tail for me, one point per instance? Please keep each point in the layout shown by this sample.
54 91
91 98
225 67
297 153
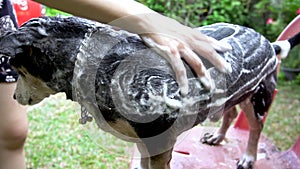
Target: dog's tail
282 48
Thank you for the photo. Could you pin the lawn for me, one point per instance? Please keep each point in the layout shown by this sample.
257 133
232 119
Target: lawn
283 122
56 140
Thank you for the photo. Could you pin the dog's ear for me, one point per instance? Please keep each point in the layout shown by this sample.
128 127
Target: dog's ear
9 45
13 42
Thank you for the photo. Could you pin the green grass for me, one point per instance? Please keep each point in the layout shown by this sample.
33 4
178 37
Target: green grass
57 141
283 122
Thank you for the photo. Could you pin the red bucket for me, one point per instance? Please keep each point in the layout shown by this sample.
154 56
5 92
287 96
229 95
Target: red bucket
26 9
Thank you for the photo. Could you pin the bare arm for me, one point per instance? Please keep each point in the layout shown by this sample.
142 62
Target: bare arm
169 38
103 11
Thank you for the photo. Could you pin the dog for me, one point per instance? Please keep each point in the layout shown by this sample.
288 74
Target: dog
131 91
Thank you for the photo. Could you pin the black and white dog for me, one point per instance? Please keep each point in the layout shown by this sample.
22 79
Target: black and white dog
131 91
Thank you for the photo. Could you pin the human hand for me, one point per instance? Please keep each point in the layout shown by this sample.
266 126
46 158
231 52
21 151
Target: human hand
173 49
174 41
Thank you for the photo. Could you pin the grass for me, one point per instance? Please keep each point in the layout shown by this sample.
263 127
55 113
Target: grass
283 122
56 140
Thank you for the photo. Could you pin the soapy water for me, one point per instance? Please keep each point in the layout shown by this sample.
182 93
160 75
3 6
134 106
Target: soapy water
139 86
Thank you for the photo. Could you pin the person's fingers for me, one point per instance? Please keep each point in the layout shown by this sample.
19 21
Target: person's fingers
205 50
171 54
172 49
207 46
197 65
220 46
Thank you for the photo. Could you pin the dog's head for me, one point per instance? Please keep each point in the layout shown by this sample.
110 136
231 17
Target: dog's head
43 52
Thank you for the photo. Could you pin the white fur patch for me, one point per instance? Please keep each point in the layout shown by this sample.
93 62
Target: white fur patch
246 161
285 48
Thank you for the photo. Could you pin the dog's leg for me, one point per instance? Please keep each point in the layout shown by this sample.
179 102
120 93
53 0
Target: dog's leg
218 137
161 161
255 108
145 157
160 149
255 125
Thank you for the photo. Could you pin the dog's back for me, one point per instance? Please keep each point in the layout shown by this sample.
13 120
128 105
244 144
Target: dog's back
142 83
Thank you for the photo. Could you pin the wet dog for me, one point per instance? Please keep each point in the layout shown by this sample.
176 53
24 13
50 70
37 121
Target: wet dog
131 91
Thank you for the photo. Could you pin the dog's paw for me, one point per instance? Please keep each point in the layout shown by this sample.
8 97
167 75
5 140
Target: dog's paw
212 139
246 162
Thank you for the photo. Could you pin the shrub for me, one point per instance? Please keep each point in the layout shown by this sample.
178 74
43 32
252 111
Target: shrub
281 11
250 13
297 80
293 60
200 12
54 12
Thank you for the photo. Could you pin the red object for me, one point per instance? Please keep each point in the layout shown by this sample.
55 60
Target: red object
296 148
270 21
26 9
298 11
190 153
292 29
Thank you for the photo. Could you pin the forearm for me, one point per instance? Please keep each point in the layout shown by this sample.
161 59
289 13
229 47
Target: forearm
104 11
